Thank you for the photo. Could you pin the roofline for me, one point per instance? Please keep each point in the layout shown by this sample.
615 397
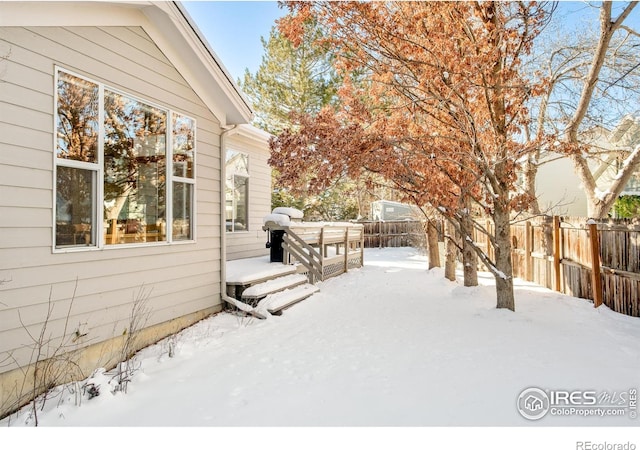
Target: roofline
189 20
254 132
170 27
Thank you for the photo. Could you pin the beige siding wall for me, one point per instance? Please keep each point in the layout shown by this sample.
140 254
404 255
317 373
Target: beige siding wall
180 279
246 244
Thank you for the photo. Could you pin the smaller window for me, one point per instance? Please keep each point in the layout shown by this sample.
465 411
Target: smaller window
182 211
77 119
237 191
75 211
183 146
183 138
76 174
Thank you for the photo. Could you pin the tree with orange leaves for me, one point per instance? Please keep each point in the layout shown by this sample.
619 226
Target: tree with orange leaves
433 100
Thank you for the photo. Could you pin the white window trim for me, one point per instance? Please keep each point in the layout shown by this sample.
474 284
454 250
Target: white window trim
98 168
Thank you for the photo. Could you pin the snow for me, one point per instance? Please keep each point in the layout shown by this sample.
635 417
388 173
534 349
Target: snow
387 345
319 224
291 212
279 219
248 270
600 194
501 274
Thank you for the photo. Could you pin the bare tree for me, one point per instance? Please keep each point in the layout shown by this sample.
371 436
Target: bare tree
593 82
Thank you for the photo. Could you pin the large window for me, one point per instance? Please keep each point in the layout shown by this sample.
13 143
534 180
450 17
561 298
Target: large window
118 161
237 191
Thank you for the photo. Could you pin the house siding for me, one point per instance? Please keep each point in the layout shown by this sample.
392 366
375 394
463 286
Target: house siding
251 243
180 279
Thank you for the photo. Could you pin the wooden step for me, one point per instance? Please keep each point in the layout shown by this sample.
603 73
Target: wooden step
245 272
261 290
279 301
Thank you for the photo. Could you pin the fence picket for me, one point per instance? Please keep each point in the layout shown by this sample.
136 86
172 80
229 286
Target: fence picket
566 264
555 253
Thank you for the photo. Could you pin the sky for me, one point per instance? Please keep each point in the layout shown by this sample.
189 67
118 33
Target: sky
234 28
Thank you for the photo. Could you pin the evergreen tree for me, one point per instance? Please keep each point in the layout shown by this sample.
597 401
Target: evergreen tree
291 77
300 76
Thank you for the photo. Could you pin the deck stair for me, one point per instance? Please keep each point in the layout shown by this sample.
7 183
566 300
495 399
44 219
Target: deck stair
268 287
259 291
278 301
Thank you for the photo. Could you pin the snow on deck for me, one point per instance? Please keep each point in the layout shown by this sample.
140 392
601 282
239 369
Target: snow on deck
250 270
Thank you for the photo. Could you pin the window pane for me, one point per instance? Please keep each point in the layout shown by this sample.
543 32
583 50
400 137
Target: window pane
77 119
134 171
229 202
182 202
75 190
237 163
237 205
242 206
183 145
237 183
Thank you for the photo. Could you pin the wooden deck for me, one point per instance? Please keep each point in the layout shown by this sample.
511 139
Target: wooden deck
324 250
312 252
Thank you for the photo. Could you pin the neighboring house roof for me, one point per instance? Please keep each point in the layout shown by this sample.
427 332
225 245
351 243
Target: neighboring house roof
618 143
627 134
170 27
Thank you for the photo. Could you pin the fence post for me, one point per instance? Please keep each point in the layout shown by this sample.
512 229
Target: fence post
595 265
556 252
346 249
362 247
528 261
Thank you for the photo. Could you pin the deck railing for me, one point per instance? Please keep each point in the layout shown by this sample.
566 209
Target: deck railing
323 250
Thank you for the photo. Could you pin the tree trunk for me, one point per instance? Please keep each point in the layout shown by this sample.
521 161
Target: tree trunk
470 263
503 264
434 250
451 252
469 257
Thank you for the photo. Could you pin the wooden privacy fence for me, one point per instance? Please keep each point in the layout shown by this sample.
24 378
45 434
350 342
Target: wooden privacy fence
392 233
323 250
597 261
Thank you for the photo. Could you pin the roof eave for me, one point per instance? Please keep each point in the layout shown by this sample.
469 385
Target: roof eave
238 110
172 30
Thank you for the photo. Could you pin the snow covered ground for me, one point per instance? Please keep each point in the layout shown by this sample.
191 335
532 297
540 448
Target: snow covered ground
388 345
